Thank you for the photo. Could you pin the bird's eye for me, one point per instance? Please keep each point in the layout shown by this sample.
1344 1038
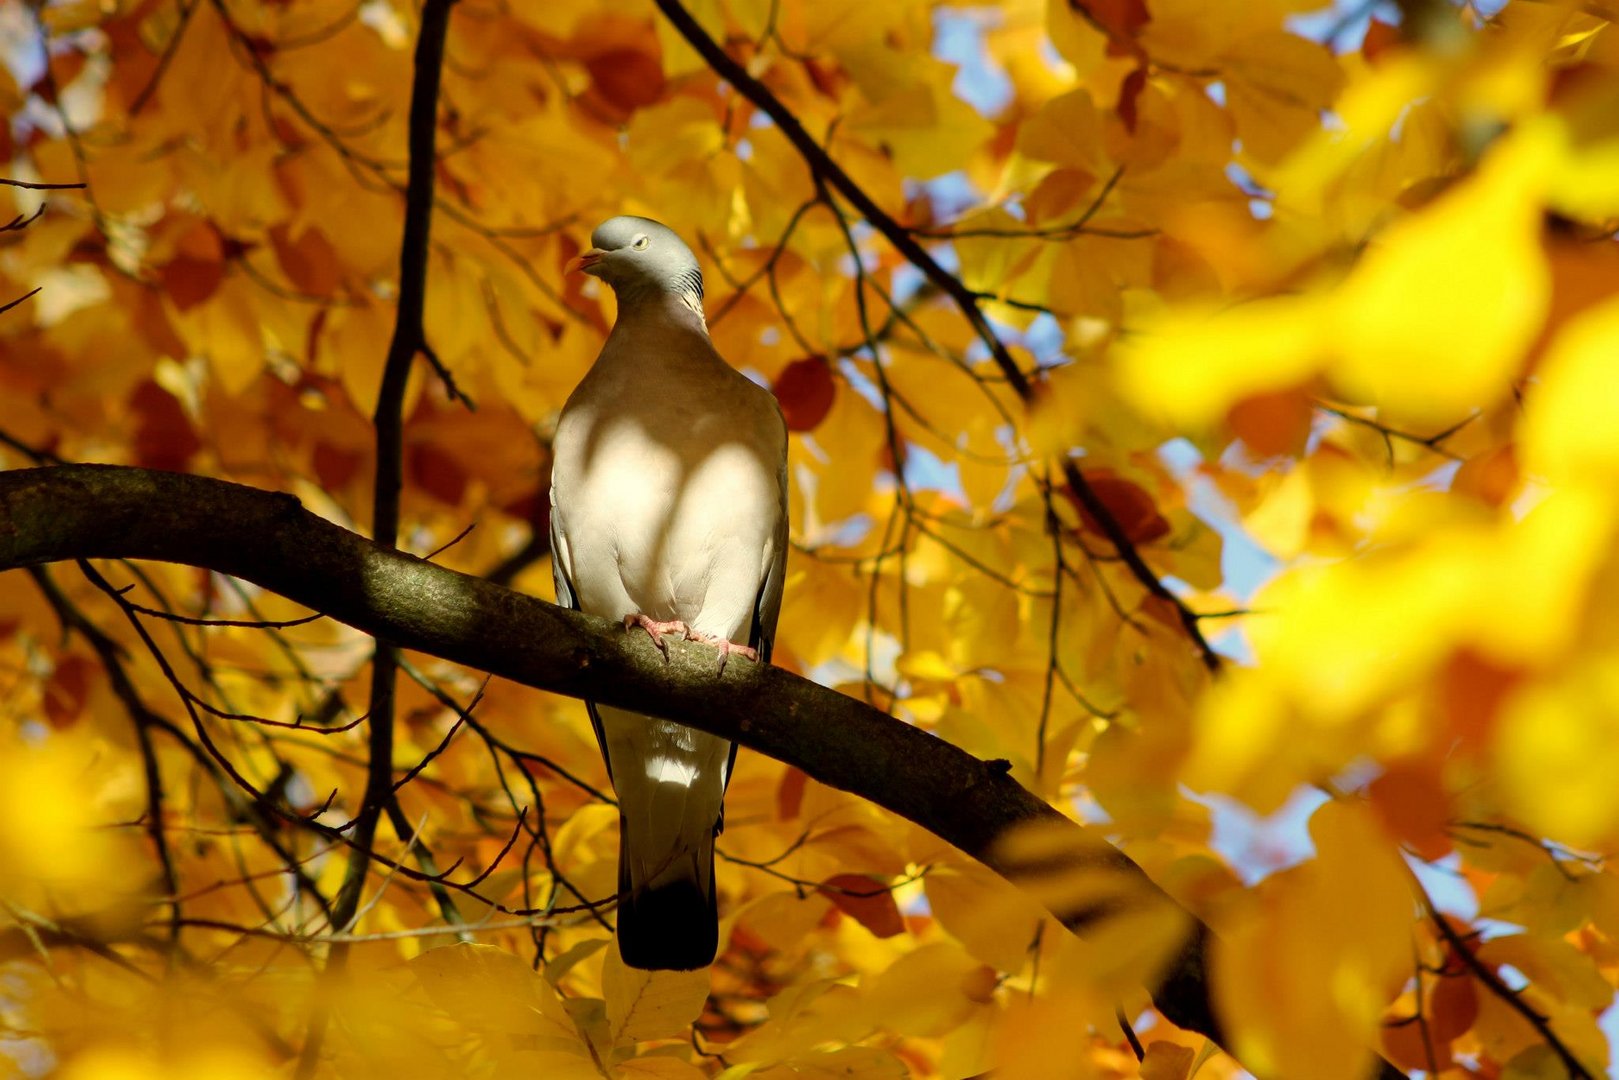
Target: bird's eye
641 242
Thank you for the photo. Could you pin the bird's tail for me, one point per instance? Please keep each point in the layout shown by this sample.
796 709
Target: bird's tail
668 920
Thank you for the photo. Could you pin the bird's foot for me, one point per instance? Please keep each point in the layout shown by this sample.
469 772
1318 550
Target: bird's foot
656 629
727 648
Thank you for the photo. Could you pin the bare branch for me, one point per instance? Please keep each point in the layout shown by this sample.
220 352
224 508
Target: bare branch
98 511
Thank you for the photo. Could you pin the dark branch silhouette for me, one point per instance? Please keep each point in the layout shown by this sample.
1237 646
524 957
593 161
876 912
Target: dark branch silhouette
98 511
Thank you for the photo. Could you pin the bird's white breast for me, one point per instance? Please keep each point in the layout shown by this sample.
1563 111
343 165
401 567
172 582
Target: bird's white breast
670 505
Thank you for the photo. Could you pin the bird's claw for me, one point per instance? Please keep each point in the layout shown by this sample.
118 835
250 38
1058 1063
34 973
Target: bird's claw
656 629
727 648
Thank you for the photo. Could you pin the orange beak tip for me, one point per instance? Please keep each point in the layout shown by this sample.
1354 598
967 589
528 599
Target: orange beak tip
583 261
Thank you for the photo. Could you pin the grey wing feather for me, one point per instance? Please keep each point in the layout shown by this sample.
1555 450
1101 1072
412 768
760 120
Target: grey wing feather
767 609
568 599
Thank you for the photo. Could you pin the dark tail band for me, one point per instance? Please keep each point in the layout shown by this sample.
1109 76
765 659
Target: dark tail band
671 926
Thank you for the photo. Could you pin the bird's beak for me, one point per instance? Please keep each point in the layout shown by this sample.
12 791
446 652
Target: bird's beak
582 262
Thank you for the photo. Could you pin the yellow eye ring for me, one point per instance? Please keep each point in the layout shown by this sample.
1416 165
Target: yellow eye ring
641 242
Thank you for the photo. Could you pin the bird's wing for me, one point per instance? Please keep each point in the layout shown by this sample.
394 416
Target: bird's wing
561 561
767 608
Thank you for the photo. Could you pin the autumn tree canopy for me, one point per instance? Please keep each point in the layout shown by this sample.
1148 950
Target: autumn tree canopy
1198 654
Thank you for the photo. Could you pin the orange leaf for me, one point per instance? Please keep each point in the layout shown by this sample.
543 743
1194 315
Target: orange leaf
1454 1007
805 389
1129 92
1274 424
309 262
867 900
626 79
1380 38
164 438
1118 19
190 281
1407 1046
1473 689
66 691
1129 504
1491 476
1411 800
437 473
790 796
334 466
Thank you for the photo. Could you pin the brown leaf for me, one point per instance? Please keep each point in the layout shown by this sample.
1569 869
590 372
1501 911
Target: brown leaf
66 691
309 261
806 390
437 473
1454 1007
164 437
1410 799
1380 38
190 281
626 79
1473 689
1273 424
1129 504
867 900
1491 476
1120 20
1129 94
1408 1046
790 795
1167 1061
335 466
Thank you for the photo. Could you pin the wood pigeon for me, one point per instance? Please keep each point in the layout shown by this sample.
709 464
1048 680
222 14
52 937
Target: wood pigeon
669 512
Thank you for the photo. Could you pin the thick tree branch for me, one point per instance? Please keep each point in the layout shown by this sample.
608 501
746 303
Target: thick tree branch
99 511
829 173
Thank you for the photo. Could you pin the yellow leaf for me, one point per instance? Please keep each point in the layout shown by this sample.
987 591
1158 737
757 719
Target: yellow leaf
1277 84
227 329
1304 979
1193 366
489 989
127 1064
657 1068
551 1064
1066 869
1573 411
1436 319
667 136
1281 521
650 1004
923 992
1558 748
925 126
1066 131
1036 1033
992 919
56 854
849 1063
1554 966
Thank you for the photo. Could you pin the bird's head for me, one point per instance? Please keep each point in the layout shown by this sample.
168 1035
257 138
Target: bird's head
637 255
